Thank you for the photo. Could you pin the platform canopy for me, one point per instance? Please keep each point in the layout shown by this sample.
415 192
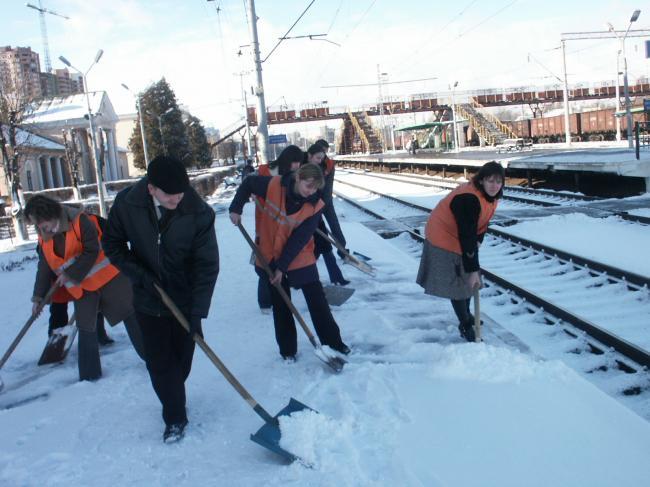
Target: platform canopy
426 126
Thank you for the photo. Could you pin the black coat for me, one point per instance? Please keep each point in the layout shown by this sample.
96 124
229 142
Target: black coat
182 255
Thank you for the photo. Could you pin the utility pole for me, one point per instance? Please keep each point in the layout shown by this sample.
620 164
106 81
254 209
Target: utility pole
381 110
565 94
262 128
245 102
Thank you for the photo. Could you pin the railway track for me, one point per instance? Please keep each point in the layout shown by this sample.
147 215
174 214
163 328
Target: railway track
526 196
554 280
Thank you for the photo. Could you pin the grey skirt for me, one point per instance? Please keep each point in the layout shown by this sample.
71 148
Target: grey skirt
441 273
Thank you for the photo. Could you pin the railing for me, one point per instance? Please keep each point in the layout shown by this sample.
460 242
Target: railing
502 127
377 133
641 137
476 124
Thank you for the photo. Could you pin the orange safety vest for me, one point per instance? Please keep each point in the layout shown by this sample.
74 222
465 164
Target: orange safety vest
100 273
329 166
442 230
262 170
276 226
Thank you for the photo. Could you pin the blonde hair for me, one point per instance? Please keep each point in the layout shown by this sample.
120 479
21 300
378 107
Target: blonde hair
311 171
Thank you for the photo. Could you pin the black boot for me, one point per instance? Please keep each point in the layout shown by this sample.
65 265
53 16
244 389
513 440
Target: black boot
174 432
467 330
90 368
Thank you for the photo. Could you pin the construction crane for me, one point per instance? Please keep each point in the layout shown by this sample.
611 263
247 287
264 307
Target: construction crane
42 11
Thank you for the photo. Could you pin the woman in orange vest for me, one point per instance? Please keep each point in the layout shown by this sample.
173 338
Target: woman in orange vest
70 255
288 160
449 266
290 215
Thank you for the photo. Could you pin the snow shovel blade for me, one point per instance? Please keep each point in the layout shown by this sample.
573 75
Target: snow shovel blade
57 346
269 435
361 265
365 258
331 358
337 295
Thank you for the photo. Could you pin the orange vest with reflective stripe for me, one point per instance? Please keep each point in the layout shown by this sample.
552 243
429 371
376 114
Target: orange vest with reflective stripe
442 229
276 226
101 272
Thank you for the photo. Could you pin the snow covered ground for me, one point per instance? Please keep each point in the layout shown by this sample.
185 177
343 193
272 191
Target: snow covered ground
415 406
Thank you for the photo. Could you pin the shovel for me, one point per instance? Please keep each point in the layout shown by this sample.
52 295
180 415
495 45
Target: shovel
25 327
269 434
335 362
57 346
350 259
477 315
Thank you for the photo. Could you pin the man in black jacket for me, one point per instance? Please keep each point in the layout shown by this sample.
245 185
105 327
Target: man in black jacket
161 231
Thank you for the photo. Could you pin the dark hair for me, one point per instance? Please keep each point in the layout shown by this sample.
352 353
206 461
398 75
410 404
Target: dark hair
315 149
323 143
311 171
288 156
492 168
41 208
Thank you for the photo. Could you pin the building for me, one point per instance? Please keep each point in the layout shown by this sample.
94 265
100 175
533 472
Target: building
61 83
20 69
42 163
123 131
68 114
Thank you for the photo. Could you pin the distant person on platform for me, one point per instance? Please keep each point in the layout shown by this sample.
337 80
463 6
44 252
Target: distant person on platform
71 257
415 145
449 266
316 154
289 160
161 231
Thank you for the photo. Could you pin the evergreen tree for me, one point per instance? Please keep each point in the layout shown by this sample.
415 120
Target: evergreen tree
200 150
163 125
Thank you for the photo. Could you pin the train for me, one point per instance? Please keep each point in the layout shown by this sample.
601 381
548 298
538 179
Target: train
595 125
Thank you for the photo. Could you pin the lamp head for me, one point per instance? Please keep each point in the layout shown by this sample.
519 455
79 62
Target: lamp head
635 15
125 87
65 61
99 55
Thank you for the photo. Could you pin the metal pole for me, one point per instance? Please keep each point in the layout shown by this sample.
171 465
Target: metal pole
626 93
567 128
618 96
144 139
262 128
453 117
381 110
248 125
98 168
162 137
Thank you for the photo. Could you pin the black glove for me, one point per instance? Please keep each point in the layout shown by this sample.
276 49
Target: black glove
195 326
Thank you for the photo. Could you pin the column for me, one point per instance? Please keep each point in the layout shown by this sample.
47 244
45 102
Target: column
115 154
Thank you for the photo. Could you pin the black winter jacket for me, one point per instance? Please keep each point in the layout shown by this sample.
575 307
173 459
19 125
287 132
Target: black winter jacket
182 255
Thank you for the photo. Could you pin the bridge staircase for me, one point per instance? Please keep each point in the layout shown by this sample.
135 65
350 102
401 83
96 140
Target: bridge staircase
486 125
358 135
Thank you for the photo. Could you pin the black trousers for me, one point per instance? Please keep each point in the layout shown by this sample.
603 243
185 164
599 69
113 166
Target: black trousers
285 328
168 351
461 308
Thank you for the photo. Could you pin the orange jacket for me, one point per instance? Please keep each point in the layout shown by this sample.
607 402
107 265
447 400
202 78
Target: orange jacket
262 170
442 229
101 272
329 166
276 226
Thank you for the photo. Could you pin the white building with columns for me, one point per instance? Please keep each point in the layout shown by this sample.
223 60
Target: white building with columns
42 163
69 114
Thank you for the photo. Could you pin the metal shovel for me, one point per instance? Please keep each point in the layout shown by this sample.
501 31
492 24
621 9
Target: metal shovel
269 434
349 258
25 327
334 361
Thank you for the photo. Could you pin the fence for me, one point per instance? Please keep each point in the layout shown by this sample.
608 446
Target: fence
641 137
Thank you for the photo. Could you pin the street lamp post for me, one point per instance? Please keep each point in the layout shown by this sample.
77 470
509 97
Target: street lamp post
160 130
144 139
626 91
98 168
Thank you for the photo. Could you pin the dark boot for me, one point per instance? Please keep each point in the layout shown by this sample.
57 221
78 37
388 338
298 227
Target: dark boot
467 330
336 276
90 368
102 336
174 432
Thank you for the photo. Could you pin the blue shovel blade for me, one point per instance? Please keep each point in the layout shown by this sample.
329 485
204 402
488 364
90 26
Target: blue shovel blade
269 434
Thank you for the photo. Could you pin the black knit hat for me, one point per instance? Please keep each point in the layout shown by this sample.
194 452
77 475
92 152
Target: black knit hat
168 174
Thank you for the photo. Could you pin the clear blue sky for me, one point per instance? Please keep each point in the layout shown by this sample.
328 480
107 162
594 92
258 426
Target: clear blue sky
480 43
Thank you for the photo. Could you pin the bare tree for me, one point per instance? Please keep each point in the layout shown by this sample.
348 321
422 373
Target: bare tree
72 157
15 106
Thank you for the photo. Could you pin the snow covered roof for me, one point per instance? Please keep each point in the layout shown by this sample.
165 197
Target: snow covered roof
72 109
25 138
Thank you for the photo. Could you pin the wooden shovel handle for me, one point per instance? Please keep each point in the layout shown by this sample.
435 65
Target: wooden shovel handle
477 314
